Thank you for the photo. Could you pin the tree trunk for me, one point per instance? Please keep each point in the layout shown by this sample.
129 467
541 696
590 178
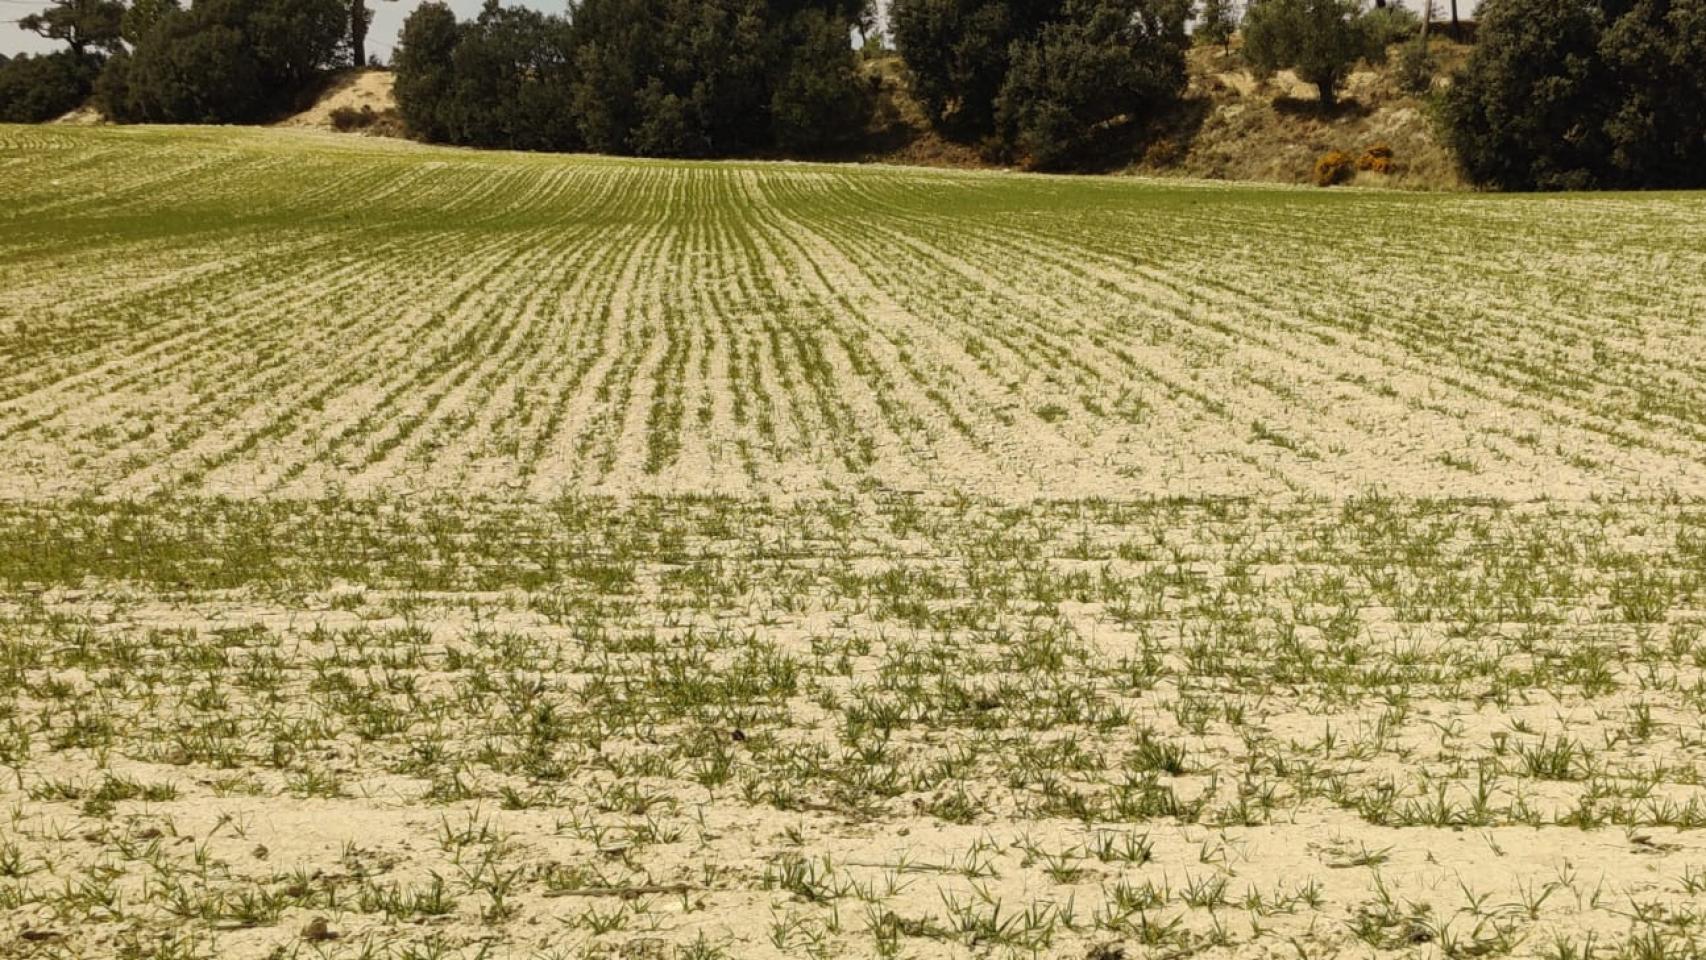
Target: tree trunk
358 33
1456 27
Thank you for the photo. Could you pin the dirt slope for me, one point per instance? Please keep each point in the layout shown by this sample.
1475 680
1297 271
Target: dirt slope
1237 127
1231 126
366 94
83 116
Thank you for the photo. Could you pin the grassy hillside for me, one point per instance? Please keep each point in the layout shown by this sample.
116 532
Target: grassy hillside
411 552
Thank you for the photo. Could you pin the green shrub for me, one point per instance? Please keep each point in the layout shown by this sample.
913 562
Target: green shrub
346 119
111 94
1392 24
1041 79
37 88
34 88
1415 70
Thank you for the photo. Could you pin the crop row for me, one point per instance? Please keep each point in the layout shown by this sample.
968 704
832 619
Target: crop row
264 315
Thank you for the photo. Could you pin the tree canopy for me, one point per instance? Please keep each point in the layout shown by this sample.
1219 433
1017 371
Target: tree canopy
224 61
645 77
1576 94
41 87
1100 63
1320 39
1037 79
80 24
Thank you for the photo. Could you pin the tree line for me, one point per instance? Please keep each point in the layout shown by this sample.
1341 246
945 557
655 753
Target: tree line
720 77
215 61
648 77
1556 94
1583 94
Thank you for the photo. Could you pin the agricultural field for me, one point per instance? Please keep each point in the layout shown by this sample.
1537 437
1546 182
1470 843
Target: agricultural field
419 553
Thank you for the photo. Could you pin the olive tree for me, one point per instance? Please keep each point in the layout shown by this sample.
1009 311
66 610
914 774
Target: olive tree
1320 39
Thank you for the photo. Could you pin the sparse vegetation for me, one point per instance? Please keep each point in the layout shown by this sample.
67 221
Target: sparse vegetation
411 552
1577 94
354 118
1416 67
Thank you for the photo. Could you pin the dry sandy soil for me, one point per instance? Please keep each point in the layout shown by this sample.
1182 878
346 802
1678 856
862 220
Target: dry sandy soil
412 553
353 90
1236 126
